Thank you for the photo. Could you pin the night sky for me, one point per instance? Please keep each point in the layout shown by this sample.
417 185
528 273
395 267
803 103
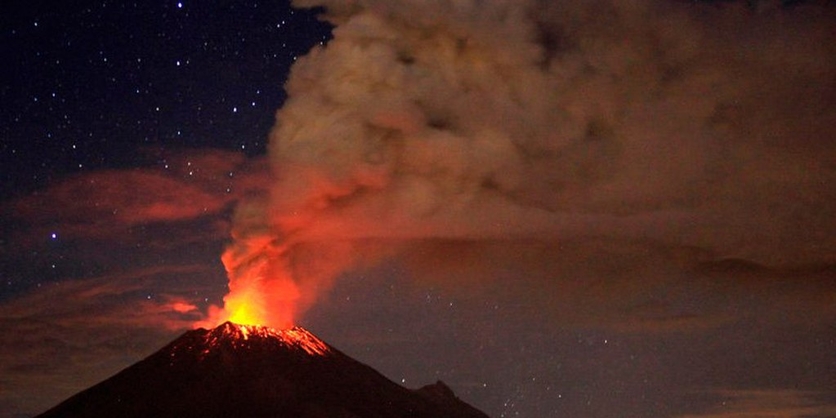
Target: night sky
569 210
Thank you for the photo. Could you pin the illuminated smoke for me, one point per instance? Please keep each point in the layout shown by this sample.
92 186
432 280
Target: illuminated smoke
682 123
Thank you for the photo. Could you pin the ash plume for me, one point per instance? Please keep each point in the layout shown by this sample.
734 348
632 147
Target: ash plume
701 125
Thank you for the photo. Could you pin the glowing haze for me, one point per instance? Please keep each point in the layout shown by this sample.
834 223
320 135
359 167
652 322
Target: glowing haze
656 121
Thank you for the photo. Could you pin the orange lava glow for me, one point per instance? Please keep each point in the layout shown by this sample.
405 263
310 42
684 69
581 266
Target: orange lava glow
262 302
261 292
245 307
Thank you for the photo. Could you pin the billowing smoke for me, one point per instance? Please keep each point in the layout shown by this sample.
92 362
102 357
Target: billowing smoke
695 124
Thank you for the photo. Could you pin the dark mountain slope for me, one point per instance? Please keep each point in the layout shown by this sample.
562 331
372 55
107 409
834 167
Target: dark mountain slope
250 371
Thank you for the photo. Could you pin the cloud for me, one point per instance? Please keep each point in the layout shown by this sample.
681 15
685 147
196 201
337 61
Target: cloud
680 124
124 206
627 287
470 123
154 297
767 403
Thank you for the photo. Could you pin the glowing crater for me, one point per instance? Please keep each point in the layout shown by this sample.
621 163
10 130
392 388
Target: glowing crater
294 338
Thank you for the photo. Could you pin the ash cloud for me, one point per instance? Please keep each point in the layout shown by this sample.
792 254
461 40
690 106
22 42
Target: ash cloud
685 125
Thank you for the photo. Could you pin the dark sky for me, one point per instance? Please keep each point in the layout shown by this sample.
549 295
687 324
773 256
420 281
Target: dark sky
92 84
591 209
116 86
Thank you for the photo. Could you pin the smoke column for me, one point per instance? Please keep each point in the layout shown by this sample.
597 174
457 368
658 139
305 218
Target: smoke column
694 124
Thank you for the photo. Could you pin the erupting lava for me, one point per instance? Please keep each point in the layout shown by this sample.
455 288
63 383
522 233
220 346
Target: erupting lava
261 292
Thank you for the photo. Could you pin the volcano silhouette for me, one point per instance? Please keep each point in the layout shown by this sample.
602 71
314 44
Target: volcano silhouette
252 371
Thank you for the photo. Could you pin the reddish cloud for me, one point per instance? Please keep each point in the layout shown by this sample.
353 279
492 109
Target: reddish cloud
106 204
156 297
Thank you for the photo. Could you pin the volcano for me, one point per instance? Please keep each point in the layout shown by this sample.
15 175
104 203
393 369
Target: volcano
253 371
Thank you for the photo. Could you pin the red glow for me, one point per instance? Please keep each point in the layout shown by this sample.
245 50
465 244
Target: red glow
296 337
276 268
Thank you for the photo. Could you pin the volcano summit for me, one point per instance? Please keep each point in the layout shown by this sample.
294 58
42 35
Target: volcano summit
252 371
